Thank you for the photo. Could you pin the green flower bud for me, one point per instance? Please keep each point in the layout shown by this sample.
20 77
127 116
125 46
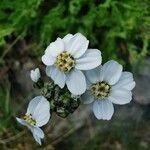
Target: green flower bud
61 100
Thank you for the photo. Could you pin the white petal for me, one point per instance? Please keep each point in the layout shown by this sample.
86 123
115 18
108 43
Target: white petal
88 84
76 82
67 38
37 139
126 81
93 75
103 109
91 59
48 60
55 48
57 76
43 117
38 134
22 122
39 108
77 45
87 97
33 104
120 96
111 72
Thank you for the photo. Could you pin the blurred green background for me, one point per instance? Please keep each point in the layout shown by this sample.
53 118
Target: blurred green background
119 28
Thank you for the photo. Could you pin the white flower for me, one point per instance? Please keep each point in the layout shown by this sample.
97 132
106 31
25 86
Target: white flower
35 75
65 58
107 84
37 115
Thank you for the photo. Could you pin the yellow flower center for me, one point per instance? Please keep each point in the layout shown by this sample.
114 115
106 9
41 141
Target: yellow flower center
65 62
29 119
100 90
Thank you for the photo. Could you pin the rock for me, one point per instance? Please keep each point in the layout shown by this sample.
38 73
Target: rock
142 89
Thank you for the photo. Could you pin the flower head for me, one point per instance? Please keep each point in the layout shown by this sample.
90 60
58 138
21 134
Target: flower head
37 115
35 75
65 58
108 84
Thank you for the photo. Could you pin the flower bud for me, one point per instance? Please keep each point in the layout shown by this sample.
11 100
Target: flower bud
35 75
64 104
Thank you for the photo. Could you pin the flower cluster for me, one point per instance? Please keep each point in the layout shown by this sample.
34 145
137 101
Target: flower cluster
75 76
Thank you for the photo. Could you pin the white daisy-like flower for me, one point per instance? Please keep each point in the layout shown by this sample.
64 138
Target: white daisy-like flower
37 115
35 75
108 84
65 58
